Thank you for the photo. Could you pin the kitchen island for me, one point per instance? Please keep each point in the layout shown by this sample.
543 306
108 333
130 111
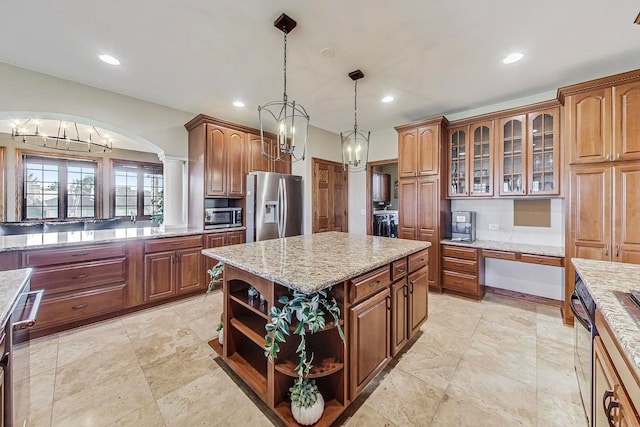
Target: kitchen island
380 285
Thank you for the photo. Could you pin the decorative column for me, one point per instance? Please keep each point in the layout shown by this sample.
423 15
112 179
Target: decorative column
175 191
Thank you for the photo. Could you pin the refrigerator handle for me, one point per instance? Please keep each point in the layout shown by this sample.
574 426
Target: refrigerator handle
280 207
285 207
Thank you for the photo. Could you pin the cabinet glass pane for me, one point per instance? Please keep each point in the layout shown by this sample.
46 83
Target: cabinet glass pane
512 157
508 147
537 125
537 143
458 148
507 163
517 146
548 161
548 141
548 123
537 162
517 129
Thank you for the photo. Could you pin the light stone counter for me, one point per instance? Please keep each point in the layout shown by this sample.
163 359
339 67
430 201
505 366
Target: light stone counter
69 238
12 284
525 248
602 278
314 262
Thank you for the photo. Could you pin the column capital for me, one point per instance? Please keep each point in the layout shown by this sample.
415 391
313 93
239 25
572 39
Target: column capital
170 158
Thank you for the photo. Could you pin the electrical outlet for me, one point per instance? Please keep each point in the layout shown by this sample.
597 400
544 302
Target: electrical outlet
363 212
494 227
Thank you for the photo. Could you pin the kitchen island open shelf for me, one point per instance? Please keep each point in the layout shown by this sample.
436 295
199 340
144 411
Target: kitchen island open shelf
340 264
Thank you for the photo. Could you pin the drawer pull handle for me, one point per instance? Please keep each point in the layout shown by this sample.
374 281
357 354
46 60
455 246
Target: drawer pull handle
376 283
457 264
80 276
80 306
401 270
458 282
421 259
81 254
176 243
540 260
412 284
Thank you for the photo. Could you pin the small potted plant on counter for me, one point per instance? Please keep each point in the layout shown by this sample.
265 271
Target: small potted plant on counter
307 404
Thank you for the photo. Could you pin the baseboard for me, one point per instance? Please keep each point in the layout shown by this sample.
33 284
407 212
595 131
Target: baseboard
527 297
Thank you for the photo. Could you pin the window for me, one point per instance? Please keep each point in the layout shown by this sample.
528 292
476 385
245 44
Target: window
136 187
55 188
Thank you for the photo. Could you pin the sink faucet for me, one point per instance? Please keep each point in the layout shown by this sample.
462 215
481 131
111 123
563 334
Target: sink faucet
387 206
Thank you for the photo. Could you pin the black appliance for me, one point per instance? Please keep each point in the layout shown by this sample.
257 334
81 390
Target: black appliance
385 224
584 309
463 226
222 218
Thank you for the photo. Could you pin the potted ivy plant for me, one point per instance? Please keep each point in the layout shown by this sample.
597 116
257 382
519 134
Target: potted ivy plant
307 404
215 275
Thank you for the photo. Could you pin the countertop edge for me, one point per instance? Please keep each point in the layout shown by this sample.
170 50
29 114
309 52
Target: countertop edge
526 248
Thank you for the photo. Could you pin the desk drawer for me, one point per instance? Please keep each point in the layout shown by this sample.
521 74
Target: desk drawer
418 260
76 306
511 256
66 256
369 283
79 276
399 269
461 265
460 252
460 282
170 244
542 259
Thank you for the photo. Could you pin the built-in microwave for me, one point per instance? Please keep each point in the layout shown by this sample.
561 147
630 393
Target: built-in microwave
222 218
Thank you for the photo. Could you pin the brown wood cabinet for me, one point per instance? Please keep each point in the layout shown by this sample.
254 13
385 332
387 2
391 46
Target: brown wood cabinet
458 143
225 162
462 272
419 150
481 148
172 266
381 187
216 240
258 162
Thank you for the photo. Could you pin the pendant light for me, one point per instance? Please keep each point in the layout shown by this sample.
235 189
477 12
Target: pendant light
355 143
287 119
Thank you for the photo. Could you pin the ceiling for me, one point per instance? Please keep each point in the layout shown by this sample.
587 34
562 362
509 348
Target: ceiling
434 57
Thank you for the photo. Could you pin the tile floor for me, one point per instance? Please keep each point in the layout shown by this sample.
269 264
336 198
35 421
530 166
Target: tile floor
499 362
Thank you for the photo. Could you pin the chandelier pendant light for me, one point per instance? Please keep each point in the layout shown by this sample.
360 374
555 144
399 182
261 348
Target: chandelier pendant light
355 143
29 133
287 119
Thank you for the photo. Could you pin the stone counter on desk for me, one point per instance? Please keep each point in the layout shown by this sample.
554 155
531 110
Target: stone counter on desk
494 245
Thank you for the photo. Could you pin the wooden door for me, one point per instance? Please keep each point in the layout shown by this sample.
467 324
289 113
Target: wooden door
370 340
458 162
189 270
591 196
512 156
428 152
399 335
627 214
407 208
407 154
235 163
604 380
626 121
256 161
481 159
215 162
330 192
543 153
159 275
418 299
589 119
427 219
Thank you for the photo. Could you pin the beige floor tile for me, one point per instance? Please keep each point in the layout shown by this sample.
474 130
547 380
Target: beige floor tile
507 337
455 303
549 310
558 352
550 326
456 320
510 312
454 412
211 400
557 412
558 380
41 388
100 404
366 416
43 354
445 339
41 416
482 388
428 364
88 340
202 316
148 415
414 401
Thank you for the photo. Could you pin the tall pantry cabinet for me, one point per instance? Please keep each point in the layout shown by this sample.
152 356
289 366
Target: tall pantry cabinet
422 205
602 119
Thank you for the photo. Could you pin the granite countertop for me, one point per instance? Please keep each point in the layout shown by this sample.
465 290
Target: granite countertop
69 238
556 251
602 278
12 284
313 262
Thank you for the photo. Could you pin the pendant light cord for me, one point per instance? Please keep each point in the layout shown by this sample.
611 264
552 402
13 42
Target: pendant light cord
355 106
284 30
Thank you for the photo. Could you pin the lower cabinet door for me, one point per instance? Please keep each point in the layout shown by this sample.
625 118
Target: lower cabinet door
159 275
189 270
370 339
418 299
399 335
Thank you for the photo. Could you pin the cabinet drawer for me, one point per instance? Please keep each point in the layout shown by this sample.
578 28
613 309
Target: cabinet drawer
66 256
369 283
460 282
459 252
160 245
79 276
418 260
541 259
511 256
461 265
62 309
398 269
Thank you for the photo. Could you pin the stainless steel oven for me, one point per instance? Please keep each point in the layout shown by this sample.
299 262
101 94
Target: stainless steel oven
222 218
584 307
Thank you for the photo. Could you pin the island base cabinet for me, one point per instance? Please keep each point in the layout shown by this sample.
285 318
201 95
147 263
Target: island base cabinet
418 295
370 343
399 297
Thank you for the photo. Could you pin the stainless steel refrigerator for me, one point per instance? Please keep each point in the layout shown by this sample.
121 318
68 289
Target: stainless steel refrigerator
274 206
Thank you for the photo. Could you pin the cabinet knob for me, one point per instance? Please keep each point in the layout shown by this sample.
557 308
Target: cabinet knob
617 251
608 157
606 250
618 156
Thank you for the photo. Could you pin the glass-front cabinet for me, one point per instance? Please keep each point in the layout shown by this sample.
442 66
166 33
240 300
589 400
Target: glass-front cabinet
512 156
458 160
543 155
481 155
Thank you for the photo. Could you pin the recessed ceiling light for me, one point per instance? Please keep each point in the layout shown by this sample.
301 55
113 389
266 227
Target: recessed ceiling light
109 59
327 52
387 99
513 57
238 104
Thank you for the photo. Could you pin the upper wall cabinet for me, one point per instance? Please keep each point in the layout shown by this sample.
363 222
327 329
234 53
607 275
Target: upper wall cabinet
258 162
589 130
225 164
512 158
626 121
481 158
458 162
419 151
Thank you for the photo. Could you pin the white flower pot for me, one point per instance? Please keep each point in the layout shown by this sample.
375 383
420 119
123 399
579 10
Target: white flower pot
220 337
310 415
